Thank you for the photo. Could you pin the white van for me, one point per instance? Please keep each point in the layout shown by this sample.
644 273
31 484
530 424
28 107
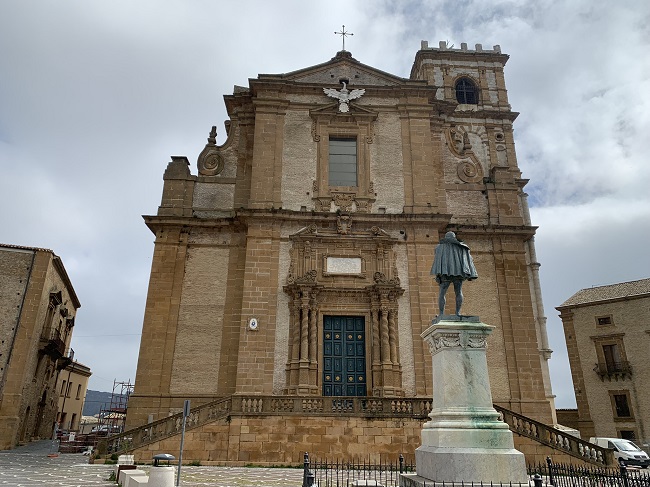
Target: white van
625 451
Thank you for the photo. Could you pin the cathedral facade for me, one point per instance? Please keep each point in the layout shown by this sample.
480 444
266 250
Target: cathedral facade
293 260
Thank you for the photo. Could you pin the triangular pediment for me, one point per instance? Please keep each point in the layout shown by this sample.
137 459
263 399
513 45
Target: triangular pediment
342 66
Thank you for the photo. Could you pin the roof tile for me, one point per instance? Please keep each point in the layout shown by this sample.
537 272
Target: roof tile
611 291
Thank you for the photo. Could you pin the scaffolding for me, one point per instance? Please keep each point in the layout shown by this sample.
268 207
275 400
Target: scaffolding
113 418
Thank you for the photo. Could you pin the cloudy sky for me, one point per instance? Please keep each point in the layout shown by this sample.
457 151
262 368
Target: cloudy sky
96 96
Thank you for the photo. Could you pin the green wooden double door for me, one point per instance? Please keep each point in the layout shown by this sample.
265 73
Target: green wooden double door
344 356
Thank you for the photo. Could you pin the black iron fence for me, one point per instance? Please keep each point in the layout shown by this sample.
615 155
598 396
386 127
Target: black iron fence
337 473
325 473
563 475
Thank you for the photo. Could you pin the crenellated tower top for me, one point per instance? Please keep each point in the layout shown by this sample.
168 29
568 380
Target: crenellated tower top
472 77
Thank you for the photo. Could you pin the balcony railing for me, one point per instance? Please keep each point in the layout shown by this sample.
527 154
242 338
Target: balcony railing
52 344
613 370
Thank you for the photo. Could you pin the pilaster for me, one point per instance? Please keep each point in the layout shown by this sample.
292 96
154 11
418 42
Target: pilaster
420 147
259 300
153 376
178 189
266 177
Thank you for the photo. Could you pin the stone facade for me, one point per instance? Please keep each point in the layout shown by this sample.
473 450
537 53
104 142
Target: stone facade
71 387
37 309
607 334
256 251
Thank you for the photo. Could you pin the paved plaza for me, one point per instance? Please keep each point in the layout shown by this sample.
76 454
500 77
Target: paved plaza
30 466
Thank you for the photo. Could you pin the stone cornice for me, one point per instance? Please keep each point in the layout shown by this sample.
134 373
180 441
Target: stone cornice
384 220
58 265
494 230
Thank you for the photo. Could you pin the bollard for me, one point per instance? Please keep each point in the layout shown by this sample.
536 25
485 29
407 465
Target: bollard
537 480
549 463
159 475
307 476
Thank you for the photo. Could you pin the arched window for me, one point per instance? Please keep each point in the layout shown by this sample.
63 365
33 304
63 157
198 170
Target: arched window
466 91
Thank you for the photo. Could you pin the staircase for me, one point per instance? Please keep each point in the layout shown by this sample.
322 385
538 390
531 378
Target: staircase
368 407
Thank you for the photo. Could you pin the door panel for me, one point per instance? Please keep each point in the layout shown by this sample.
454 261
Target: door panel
344 351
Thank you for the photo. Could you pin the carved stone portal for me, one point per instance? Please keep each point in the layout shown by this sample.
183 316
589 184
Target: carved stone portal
337 271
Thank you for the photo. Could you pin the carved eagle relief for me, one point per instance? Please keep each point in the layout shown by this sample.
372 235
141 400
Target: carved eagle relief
344 96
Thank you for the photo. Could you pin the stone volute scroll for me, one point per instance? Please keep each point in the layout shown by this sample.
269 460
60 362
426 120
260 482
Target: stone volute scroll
210 161
469 168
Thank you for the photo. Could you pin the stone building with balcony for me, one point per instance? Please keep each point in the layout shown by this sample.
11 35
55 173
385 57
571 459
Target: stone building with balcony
607 332
37 313
71 387
290 277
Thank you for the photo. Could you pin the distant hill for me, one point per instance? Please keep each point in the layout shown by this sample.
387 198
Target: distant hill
95 401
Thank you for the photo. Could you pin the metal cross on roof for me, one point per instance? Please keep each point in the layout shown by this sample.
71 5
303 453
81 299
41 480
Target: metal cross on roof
343 34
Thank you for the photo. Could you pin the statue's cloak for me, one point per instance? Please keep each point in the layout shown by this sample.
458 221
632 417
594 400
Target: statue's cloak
453 261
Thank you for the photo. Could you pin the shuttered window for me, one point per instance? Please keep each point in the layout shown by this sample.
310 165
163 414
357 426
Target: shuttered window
343 162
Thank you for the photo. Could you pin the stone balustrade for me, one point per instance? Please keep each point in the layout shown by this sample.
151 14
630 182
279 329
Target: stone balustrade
370 407
556 438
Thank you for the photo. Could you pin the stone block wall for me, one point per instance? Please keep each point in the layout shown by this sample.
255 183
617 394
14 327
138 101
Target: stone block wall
283 440
15 266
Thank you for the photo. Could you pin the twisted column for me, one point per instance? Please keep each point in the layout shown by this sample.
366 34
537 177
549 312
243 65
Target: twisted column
295 330
385 340
392 335
304 331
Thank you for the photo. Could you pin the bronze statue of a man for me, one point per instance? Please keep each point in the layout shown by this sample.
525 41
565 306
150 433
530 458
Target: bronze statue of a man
452 264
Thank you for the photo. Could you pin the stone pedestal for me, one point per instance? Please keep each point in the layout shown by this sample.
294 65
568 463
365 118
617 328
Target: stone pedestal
464 441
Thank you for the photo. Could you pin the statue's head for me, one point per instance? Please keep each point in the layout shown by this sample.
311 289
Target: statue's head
450 235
